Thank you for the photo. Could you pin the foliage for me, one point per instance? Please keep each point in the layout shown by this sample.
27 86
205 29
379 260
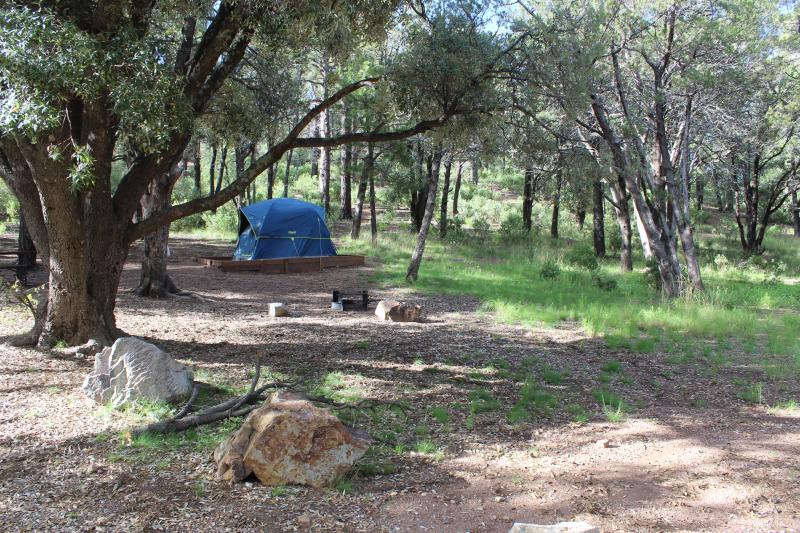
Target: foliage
582 256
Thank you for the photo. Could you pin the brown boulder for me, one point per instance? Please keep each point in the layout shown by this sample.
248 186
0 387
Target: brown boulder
290 441
395 311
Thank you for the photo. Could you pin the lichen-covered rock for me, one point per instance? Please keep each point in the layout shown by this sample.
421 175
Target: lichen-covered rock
395 311
289 440
133 369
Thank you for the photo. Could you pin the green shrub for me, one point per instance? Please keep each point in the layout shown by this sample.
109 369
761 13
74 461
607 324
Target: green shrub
603 281
550 270
512 228
481 229
651 274
582 256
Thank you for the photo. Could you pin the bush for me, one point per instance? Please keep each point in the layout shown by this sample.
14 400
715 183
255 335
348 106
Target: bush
701 217
550 270
651 274
188 224
512 229
224 222
455 231
614 239
582 256
481 229
603 281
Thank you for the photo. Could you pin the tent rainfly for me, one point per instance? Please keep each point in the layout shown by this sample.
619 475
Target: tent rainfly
282 227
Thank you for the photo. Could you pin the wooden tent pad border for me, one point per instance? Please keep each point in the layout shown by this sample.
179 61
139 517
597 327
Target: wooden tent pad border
282 265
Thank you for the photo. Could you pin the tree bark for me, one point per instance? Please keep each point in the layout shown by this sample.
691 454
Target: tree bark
430 207
475 169
598 219
25 245
795 209
527 198
366 174
286 174
419 197
445 194
373 214
580 217
197 169
345 172
155 281
556 206
457 188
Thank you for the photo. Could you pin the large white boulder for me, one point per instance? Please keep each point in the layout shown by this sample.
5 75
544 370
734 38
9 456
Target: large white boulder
133 369
289 440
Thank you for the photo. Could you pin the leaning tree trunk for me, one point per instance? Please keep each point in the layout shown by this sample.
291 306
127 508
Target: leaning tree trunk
457 188
527 199
445 194
430 207
366 175
155 281
598 219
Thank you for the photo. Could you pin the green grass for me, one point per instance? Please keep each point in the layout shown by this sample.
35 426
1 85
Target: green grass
482 401
752 393
440 414
532 401
336 386
737 304
552 376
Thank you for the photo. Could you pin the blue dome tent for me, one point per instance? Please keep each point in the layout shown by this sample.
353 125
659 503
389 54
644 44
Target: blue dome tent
282 227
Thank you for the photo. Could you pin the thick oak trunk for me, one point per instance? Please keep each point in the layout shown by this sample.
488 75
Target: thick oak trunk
155 280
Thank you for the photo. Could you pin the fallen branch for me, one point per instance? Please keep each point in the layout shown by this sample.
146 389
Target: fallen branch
235 407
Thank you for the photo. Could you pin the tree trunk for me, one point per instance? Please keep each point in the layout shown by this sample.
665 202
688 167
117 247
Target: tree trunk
580 217
155 281
598 219
700 189
345 172
445 194
527 198
430 207
457 188
475 169
212 168
373 214
644 239
556 206
25 246
366 174
223 166
795 208
419 197
286 174
197 170
271 171
622 211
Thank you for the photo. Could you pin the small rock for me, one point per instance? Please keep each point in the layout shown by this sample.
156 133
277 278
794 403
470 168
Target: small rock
277 309
394 311
499 498
561 527
304 520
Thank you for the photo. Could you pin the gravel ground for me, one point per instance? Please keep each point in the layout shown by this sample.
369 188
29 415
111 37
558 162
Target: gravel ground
690 456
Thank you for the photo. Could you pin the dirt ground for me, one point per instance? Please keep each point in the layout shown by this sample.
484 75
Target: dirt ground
691 456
